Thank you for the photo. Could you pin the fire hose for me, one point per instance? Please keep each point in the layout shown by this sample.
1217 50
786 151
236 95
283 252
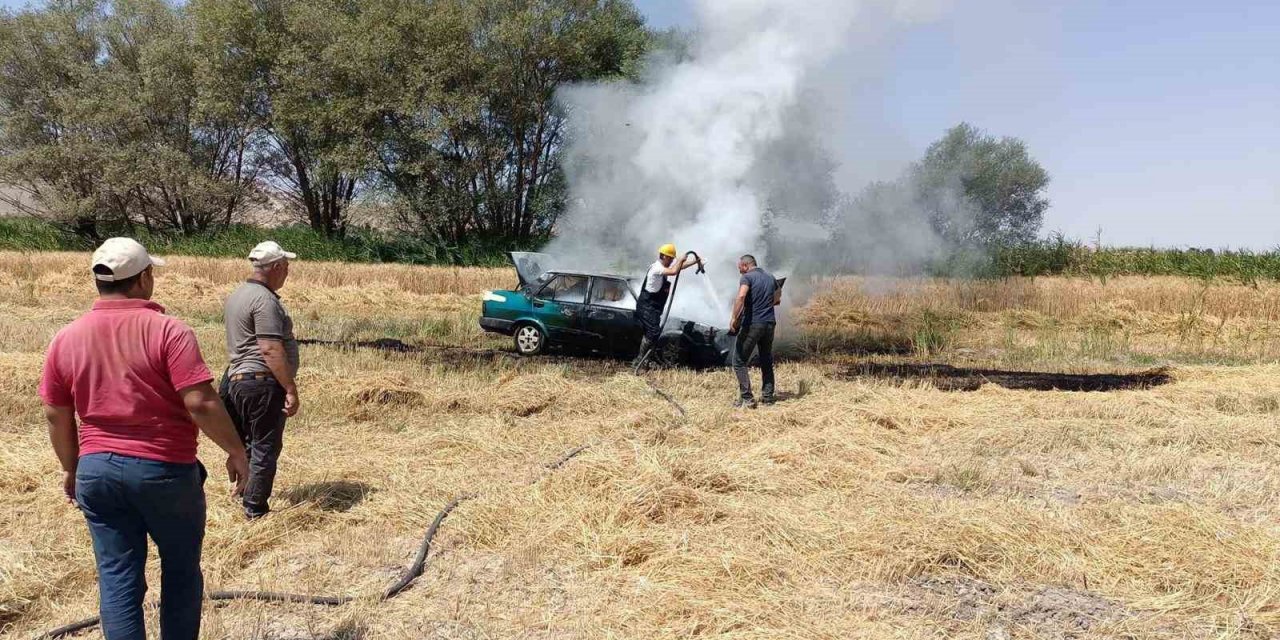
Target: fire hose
411 573
414 570
666 314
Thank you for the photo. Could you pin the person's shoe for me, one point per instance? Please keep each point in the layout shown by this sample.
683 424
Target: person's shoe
768 401
744 403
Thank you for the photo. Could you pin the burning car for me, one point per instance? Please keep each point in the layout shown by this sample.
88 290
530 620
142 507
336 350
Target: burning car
589 311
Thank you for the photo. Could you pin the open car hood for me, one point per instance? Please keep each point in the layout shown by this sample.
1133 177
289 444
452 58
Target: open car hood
530 265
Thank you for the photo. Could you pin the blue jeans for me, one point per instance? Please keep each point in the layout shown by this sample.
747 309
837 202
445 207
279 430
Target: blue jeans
125 499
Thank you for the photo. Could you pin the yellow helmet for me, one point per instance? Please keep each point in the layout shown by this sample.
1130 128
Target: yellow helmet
668 250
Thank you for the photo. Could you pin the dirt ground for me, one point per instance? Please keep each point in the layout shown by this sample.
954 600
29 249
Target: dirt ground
876 500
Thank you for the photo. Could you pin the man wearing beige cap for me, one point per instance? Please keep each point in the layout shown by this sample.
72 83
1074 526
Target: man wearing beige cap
135 379
259 389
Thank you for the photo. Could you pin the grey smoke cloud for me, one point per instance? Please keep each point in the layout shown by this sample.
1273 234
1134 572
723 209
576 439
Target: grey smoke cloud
727 152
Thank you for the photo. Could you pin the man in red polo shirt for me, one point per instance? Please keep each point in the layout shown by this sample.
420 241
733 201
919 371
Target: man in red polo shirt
135 379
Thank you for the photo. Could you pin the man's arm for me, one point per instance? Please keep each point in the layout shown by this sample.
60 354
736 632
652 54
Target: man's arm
677 267
739 304
66 445
273 353
210 415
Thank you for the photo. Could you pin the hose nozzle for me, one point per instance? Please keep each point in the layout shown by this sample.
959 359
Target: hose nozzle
700 268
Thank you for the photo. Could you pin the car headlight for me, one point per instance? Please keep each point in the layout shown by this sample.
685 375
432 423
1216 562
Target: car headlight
490 296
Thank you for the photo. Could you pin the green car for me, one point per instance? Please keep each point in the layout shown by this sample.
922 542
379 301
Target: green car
588 311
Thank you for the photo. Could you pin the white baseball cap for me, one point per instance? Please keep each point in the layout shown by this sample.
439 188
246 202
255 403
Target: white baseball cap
268 252
122 258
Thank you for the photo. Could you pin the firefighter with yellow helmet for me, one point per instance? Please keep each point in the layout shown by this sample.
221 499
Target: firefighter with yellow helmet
654 293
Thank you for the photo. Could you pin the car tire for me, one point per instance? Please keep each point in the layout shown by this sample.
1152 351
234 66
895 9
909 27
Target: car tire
529 339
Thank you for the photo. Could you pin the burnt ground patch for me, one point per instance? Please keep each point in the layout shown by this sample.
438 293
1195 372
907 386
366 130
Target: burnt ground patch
449 353
949 378
579 364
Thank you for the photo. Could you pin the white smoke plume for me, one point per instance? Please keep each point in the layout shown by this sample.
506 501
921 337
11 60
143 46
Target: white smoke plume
715 151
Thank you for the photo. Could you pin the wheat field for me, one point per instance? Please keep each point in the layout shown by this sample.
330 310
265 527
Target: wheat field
855 508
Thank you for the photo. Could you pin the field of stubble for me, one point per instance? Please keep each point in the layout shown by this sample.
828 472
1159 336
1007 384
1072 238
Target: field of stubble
857 507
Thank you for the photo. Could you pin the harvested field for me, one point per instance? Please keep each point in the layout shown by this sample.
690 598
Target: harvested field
858 506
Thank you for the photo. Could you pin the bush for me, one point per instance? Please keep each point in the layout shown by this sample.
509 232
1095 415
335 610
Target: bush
360 245
1060 256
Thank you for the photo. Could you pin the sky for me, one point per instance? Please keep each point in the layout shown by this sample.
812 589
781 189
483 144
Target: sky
1157 120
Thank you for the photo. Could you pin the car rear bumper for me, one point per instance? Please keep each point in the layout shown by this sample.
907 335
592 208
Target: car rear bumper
496 325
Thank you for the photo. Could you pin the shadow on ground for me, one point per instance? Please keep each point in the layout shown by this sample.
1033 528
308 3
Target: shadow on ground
949 378
339 495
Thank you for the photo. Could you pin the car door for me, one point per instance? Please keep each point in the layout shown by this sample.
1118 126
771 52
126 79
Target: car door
559 306
610 315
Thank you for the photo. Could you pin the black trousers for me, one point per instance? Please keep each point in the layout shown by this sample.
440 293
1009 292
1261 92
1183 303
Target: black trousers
649 315
750 338
257 410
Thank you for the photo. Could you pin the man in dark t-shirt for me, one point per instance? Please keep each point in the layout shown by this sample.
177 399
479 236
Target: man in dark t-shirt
753 321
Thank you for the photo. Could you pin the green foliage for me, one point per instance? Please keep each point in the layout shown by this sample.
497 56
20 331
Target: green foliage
471 141
1055 256
981 191
1060 256
180 117
934 332
302 70
359 245
100 122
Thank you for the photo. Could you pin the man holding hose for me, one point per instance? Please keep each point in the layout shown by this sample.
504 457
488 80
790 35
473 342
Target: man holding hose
654 293
137 382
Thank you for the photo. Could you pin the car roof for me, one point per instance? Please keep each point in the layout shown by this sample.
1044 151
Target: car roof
590 274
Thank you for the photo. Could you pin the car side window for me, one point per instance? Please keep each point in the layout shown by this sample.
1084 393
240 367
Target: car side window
614 294
565 288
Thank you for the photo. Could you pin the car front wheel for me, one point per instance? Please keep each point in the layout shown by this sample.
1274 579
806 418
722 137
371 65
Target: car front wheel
530 340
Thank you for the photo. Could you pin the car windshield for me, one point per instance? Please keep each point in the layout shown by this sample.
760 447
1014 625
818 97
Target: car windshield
565 288
611 293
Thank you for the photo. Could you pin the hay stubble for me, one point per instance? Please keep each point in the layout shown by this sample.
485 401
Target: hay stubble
861 509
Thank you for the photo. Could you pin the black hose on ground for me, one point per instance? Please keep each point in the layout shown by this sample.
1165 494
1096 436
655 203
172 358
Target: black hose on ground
420 561
564 459
412 572
666 396
267 596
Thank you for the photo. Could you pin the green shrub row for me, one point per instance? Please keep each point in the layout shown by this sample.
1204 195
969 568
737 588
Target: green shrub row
1054 256
361 245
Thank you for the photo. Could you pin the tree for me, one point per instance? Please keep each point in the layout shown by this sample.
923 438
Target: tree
296 67
47 148
473 144
101 124
178 167
979 190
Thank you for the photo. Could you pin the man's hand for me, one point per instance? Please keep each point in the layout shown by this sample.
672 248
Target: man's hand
210 415
65 438
238 473
291 403
69 487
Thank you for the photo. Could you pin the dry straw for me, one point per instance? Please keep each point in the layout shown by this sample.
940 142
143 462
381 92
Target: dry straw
861 509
